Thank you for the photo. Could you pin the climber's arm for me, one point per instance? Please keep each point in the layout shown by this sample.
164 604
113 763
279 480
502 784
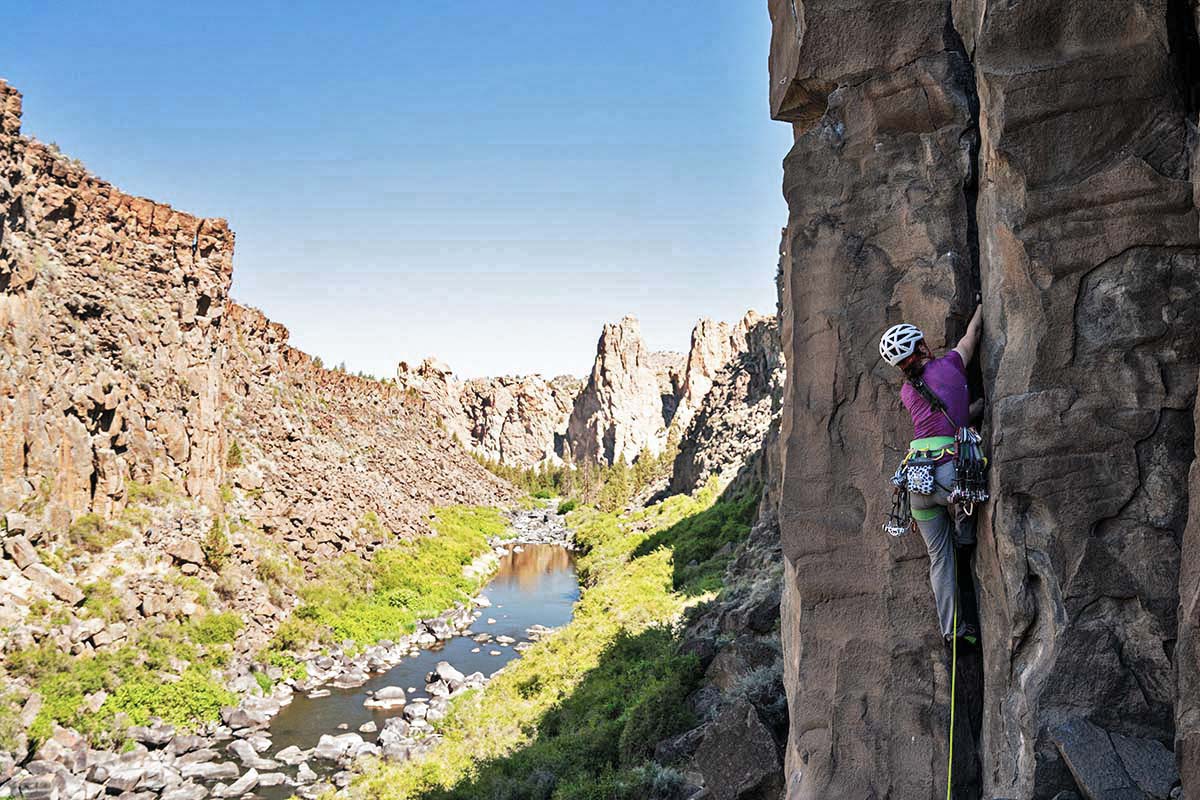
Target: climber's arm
970 340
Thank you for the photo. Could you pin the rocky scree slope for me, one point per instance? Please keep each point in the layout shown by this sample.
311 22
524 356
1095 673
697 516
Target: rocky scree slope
1044 154
153 432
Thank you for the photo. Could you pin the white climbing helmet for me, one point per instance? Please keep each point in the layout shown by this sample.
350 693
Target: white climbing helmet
899 342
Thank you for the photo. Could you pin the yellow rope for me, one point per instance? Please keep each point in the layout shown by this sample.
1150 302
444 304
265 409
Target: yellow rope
953 681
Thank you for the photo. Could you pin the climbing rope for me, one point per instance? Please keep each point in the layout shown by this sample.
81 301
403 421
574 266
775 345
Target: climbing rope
953 680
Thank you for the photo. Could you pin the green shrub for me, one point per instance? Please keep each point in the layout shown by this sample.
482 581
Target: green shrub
567 506
94 534
542 494
219 628
101 599
159 493
263 680
233 456
215 544
134 678
365 601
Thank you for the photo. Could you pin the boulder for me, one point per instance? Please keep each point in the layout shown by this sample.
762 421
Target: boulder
52 582
186 551
389 697
185 791
291 755
242 785
1112 766
738 756
209 771
20 551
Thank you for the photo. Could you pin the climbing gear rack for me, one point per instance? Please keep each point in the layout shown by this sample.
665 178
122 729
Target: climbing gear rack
970 466
899 518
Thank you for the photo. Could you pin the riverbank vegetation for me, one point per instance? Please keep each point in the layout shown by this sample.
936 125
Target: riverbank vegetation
365 601
577 717
174 668
608 488
98 694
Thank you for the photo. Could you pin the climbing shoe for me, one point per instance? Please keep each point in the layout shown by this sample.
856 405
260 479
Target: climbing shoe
967 634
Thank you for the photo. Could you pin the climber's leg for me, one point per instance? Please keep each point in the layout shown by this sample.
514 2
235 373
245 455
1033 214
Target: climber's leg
937 530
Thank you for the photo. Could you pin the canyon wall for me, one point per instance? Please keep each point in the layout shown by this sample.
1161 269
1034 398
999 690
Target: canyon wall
127 373
635 399
1043 155
517 421
629 400
725 430
108 373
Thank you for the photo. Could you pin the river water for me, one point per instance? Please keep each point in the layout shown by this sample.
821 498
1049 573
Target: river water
536 586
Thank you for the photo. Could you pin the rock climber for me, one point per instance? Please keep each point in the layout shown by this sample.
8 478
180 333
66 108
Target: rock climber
944 527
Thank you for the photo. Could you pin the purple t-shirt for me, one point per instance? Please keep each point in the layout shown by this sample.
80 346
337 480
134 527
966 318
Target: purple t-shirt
947 377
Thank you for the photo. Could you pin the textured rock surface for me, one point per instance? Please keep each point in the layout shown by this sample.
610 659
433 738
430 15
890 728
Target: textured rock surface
320 449
518 421
128 376
110 314
1083 238
729 424
629 400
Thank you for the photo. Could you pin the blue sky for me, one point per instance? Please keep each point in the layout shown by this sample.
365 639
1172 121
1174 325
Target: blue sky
486 182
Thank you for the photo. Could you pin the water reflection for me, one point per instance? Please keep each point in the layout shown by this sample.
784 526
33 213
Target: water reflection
536 586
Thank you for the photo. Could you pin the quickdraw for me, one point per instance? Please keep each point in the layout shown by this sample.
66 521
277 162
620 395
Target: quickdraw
900 518
970 466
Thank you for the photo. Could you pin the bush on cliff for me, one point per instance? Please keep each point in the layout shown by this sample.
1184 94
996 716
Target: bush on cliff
577 716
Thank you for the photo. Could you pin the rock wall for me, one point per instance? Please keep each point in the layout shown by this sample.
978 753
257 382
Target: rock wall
729 425
629 400
518 421
124 362
110 313
1042 154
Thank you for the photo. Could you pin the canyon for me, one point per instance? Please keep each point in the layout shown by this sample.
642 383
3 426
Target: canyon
175 472
167 459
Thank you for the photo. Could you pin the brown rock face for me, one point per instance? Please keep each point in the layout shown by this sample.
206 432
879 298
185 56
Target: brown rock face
110 314
730 424
629 400
123 360
518 421
1083 238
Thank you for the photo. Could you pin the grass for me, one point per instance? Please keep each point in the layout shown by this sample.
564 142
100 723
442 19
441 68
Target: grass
159 493
92 533
366 601
142 679
577 716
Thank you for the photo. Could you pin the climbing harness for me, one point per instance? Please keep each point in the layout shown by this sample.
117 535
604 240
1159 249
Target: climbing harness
970 482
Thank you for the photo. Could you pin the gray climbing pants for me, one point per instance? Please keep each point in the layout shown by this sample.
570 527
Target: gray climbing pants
942 532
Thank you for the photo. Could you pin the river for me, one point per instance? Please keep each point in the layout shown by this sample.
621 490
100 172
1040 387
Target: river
534 585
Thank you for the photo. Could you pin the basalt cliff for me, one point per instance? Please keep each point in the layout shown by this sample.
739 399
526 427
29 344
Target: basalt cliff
128 378
1045 155
715 404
